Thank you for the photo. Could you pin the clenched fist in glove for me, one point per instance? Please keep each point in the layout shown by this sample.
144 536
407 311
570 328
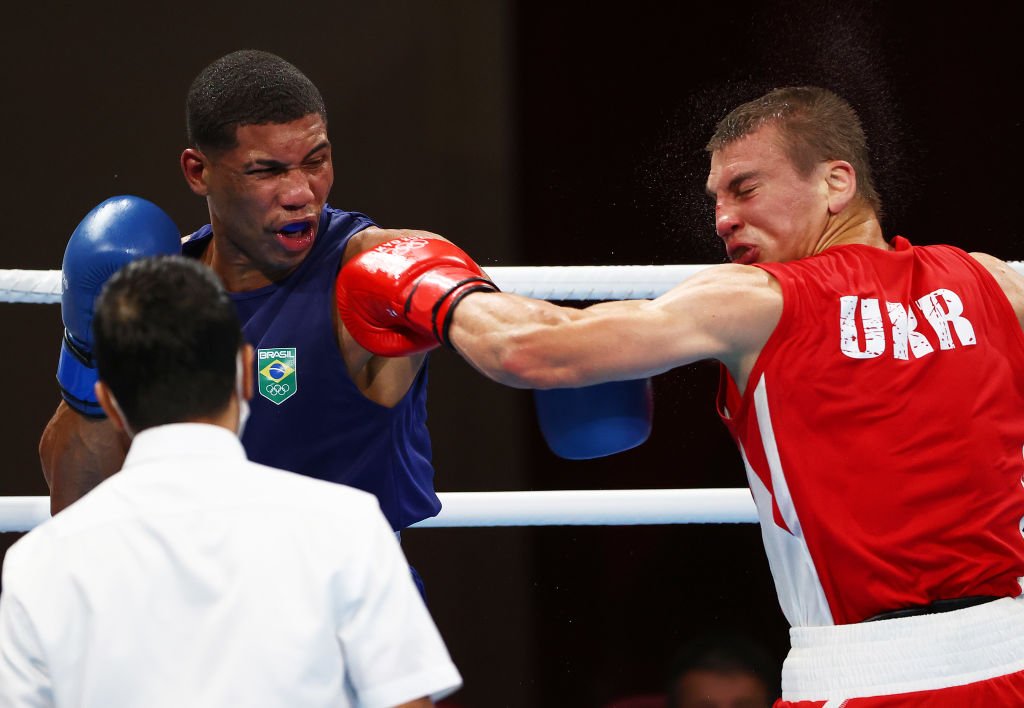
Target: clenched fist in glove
397 299
117 231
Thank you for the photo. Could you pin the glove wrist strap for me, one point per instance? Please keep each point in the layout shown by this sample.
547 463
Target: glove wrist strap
76 376
451 300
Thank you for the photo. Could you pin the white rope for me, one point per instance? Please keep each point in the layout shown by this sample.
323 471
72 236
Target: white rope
23 513
629 282
592 507
544 282
36 286
592 282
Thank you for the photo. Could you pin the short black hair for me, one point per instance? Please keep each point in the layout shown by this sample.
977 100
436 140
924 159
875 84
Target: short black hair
723 652
247 87
166 340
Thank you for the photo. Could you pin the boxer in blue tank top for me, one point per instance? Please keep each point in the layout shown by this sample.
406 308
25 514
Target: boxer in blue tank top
307 415
324 406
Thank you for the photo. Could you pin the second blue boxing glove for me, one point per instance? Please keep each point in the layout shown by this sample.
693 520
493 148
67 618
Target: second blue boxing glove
116 231
595 421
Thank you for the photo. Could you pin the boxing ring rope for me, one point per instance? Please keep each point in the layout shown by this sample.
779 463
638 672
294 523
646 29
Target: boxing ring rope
591 507
33 286
630 282
544 282
465 509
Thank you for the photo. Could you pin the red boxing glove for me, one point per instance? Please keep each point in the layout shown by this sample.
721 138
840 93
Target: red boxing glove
397 299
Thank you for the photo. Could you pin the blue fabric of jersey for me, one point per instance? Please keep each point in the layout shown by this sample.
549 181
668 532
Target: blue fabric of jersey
327 429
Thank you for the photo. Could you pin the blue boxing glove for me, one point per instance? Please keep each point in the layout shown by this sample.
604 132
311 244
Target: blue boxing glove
117 231
595 421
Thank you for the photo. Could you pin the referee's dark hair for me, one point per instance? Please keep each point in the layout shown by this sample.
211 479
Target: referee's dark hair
166 341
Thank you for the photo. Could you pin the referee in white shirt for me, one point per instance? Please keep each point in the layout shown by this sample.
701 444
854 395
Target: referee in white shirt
194 577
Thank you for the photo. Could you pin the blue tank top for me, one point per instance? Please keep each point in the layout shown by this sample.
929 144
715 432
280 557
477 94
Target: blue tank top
307 414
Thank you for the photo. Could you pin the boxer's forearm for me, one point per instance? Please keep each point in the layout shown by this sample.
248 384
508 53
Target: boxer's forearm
517 341
77 453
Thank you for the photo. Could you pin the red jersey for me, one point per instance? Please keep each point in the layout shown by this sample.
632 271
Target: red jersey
882 429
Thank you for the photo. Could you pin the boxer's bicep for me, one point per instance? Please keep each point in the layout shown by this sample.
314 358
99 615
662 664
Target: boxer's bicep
726 313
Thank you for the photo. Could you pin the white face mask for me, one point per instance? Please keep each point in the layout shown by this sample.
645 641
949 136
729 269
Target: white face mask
243 402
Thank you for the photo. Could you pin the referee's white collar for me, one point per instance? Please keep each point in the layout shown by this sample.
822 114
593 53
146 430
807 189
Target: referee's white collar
183 440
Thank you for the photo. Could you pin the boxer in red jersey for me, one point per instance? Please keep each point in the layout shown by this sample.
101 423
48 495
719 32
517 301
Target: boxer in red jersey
875 391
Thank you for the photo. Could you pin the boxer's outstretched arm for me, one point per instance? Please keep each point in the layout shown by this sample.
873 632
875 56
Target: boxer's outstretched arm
77 453
725 313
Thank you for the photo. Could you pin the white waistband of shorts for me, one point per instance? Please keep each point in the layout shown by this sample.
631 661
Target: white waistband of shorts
902 655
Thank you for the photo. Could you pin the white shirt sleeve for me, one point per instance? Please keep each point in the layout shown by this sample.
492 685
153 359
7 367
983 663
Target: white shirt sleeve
392 650
24 677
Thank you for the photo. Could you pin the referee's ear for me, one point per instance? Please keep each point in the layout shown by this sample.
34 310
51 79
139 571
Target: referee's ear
246 384
110 406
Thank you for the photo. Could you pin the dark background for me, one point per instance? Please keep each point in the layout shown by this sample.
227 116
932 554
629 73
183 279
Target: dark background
530 133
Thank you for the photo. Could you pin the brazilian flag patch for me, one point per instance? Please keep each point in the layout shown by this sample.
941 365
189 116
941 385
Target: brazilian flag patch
277 378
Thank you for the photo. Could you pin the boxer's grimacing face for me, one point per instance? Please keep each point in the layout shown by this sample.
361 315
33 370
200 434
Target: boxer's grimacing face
765 210
265 194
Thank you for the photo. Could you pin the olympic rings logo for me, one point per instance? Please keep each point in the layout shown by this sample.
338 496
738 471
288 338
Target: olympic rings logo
402 246
278 389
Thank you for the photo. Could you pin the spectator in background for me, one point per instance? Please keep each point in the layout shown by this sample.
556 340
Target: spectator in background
722 671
